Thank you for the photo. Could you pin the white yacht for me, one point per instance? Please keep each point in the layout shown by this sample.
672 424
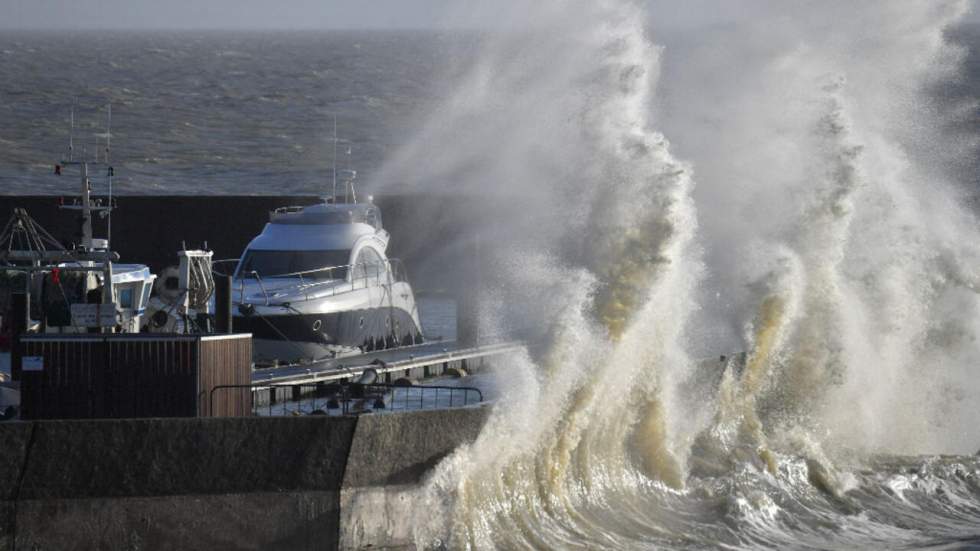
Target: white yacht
317 284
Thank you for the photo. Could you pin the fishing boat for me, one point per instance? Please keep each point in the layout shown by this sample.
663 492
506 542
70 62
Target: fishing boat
47 286
82 286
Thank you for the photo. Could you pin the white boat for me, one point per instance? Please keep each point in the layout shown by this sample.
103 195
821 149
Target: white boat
317 284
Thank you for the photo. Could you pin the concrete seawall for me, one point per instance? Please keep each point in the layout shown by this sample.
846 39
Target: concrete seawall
225 483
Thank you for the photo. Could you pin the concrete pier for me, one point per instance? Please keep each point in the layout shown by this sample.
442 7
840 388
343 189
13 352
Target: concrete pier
298 483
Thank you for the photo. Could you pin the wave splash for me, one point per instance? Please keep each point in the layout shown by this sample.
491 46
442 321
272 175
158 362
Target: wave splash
843 256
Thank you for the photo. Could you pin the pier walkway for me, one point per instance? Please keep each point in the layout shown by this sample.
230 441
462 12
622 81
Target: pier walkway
412 363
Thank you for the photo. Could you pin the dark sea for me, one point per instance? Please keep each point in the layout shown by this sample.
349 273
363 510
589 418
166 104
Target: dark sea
234 112
215 113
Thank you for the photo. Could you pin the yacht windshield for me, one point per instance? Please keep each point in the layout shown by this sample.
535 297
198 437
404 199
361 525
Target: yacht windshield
285 263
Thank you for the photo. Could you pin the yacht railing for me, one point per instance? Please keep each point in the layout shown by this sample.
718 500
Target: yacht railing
216 264
346 398
355 276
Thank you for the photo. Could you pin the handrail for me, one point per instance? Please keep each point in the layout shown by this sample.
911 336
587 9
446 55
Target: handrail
290 274
258 278
393 268
395 264
345 395
215 263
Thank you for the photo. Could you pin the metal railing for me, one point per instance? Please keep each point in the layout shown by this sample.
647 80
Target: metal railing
344 398
388 272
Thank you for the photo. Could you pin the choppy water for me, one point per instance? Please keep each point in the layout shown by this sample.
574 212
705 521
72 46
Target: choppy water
241 113
438 317
796 184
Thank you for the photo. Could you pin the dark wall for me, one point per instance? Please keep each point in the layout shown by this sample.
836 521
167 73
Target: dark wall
233 483
220 483
150 229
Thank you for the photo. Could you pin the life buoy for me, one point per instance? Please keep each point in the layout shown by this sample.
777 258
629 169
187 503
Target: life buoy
167 286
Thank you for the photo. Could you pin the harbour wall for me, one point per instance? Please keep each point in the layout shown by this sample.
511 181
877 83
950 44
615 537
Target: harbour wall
297 483
428 233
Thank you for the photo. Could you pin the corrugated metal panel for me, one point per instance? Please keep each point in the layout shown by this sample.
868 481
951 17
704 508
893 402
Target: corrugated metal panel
220 357
69 382
99 376
151 378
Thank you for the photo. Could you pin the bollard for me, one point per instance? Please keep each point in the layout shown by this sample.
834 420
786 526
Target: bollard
222 304
368 376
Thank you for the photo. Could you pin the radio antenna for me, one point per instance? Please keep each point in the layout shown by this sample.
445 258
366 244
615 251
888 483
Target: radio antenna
335 158
108 131
108 174
71 132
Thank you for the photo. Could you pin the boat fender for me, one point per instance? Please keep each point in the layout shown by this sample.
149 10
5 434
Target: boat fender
159 319
167 285
455 372
368 376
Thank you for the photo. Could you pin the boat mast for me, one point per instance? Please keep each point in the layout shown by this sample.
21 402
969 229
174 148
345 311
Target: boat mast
71 134
342 177
334 196
86 195
108 174
85 206
102 253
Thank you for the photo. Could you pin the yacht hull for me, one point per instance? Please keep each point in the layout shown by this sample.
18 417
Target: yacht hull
298 336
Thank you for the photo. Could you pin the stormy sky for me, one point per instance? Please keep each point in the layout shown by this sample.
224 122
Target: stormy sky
309 14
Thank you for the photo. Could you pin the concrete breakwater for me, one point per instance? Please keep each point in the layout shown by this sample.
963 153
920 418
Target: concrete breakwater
295 483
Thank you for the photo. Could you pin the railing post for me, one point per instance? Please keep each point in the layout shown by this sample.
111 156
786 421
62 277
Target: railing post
258 278
344 393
